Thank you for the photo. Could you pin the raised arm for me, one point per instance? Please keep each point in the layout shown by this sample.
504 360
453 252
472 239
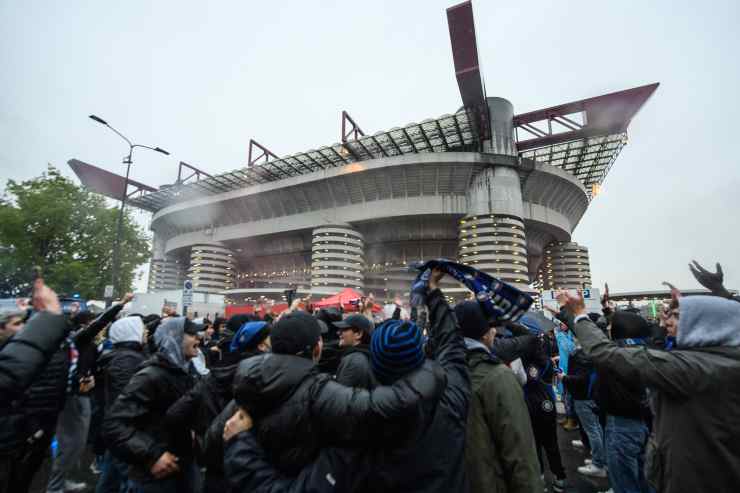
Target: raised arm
28 352
87 335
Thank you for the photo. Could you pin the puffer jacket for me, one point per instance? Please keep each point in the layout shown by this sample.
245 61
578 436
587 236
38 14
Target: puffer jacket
696 394
500 452
116 367
197 409
26 371
134 427
297 409
422 452
355 369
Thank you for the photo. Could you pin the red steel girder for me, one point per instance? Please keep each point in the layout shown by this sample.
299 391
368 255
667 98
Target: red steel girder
602 115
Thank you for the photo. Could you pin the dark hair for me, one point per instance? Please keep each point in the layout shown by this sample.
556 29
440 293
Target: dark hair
366 337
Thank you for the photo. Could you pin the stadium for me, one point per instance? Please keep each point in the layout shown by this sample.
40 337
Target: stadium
494 189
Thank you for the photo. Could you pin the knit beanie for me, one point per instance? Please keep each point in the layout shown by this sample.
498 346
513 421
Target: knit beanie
396 349
472 319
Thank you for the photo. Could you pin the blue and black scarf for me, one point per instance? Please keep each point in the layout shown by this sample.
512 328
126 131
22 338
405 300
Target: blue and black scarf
499 300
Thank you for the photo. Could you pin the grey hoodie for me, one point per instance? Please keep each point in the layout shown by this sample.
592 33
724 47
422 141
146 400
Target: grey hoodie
168 338
708 321
128 329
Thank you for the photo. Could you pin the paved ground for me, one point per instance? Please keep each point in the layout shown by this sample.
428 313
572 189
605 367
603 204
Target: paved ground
572 458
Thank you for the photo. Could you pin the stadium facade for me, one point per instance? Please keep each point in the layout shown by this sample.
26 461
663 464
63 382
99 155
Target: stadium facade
497 190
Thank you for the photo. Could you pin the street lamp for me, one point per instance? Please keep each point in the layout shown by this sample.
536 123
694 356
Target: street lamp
119 228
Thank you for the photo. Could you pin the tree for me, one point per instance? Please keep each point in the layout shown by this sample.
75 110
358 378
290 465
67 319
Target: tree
51 222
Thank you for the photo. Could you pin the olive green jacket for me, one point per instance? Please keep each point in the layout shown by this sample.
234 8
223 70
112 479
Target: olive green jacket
696 398
500 453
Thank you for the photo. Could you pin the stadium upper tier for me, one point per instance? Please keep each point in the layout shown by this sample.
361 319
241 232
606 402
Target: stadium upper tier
583 138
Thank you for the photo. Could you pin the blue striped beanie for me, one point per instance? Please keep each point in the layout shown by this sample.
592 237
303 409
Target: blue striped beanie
396 349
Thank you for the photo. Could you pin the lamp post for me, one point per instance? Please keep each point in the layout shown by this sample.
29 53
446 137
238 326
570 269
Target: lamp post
119 228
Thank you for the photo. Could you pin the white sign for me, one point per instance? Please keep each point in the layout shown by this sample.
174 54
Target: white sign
187 294
108 293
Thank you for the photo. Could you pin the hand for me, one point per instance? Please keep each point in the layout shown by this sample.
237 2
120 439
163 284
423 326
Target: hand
435 278
165 465
45 299
23 304
572 302
240 421
675 294
87 384
126 298
710 280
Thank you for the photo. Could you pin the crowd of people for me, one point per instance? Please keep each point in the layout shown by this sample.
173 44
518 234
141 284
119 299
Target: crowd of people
436 399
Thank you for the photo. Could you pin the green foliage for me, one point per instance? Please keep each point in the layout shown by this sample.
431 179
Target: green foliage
69 232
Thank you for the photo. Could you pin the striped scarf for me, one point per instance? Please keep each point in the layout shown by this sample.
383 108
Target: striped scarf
499 300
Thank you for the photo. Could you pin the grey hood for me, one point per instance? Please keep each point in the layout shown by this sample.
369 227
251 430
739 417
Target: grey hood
168 338
128 329
708 321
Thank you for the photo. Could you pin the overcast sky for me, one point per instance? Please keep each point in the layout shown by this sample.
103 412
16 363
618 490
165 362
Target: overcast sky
201 78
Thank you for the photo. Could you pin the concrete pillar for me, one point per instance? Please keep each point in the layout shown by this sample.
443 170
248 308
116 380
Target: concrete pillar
565 265
337 259
212 268
501 115
166 272
491 235
495 244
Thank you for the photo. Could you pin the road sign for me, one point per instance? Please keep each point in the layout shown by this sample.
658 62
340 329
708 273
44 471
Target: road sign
108 293
586 293
187 294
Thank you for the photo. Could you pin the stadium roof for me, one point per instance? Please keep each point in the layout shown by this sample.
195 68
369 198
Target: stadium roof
582 137
446 133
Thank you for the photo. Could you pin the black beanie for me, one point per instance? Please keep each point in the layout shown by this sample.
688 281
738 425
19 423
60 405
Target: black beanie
472 319
295 333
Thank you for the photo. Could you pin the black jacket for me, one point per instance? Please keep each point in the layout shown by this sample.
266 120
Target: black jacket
581 378
134 427
25 359
116 367
540 370
198 408
297 410
355 369
619 396
84 340
428 457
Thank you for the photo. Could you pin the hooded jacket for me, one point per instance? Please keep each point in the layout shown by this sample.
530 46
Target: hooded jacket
135 427
696 394
500 449
117 366
423 451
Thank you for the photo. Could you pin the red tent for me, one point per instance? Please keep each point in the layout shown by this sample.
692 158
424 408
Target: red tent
343 299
